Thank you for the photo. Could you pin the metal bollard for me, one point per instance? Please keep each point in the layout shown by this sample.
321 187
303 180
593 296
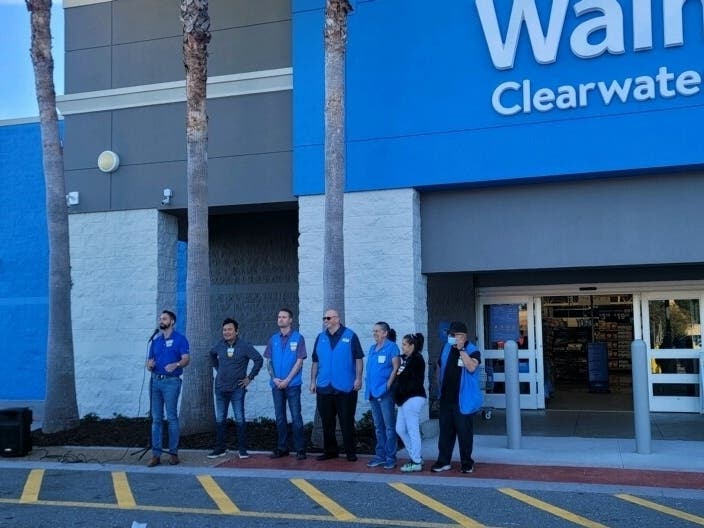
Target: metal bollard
513 395
641 407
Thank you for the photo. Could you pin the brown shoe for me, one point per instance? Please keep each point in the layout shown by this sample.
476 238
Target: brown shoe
155 461
173 460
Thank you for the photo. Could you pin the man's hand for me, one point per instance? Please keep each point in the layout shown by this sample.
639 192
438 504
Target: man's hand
357 384
244 382
280 383
151 364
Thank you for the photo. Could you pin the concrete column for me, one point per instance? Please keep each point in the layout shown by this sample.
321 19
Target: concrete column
383 279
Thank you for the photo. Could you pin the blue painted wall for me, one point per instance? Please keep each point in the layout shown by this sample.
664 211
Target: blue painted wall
420 83
23 264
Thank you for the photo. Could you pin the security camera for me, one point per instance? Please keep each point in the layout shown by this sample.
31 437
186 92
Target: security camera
167 197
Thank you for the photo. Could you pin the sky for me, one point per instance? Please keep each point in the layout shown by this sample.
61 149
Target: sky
17 93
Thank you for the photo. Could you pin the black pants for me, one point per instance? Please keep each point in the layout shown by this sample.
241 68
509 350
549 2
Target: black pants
343 406
454 424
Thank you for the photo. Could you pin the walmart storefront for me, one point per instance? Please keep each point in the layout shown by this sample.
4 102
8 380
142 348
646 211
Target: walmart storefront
548 156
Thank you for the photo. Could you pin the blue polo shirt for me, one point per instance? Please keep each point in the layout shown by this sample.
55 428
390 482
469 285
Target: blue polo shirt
165 351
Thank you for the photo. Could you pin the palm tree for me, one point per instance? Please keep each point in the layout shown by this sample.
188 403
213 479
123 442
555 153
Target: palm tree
197 414
334 246
334 255
61 407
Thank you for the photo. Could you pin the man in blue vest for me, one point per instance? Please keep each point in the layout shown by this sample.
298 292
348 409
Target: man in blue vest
335 378
284 356
460 398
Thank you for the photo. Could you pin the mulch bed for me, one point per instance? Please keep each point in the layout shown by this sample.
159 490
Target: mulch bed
136 432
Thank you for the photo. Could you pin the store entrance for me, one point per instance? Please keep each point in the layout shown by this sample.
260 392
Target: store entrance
587 352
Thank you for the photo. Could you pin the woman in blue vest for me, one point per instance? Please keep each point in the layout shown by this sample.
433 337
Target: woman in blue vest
460 398
382 362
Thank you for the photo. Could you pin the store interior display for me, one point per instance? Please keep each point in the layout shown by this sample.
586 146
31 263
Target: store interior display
587 340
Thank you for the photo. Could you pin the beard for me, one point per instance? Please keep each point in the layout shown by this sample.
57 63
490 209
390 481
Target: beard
163 326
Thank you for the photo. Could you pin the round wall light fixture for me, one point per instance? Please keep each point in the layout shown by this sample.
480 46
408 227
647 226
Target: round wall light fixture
108 161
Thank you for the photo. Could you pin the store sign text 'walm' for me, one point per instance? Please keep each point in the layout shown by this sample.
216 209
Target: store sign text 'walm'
601 31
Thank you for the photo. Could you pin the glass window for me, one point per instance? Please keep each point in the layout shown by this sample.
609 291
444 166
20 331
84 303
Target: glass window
675 323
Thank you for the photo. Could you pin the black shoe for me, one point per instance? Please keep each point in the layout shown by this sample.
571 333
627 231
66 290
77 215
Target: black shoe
279 453
352 458
326 456
469 468
301 455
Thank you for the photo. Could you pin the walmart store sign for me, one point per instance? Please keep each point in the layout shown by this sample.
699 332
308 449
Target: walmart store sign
599 28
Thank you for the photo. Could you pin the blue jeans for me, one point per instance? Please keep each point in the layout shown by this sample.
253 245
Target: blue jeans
223 400
384 415
165 393
292 395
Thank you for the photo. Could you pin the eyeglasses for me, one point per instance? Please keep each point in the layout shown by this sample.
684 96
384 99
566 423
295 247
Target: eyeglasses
328 317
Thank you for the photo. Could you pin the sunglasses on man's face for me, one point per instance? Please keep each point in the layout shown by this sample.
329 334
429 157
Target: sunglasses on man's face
328 317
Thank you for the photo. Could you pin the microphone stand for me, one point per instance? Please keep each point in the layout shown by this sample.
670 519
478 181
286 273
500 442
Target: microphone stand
143 451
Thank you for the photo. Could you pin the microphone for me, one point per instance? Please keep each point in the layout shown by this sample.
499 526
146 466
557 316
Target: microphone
156 331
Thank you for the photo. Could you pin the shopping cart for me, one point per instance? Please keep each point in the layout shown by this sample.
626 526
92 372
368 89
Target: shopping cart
486 384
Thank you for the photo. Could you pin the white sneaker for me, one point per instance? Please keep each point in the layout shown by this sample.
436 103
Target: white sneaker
411 467
437 468
243 454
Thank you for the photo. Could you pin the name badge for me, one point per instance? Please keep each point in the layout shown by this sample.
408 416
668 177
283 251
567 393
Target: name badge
345 339
381 359
230 352
293 346
460 363
169 342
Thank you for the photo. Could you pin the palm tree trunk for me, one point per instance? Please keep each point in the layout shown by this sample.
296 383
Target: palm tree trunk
61 407
334 254
197 413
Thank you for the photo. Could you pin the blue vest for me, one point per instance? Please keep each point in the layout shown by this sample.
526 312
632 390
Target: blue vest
471 398
283 359
378 372
336 366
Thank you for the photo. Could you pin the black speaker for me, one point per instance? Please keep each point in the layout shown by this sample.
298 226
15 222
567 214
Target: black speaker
15 431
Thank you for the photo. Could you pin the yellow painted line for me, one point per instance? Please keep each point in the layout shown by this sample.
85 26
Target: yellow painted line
662 509
217 494
252 514
326 502
549 508
123 493
30 493
439 507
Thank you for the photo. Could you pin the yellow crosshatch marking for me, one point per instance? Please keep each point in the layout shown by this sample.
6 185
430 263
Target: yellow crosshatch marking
326 502
123 493
30 493
217 494
663 509
554 510
439 507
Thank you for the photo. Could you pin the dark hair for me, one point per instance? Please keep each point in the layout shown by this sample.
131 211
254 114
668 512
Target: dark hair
170 314
390 332
231 321
289 312
417 340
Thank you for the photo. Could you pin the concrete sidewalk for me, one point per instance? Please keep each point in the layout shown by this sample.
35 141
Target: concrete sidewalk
671 464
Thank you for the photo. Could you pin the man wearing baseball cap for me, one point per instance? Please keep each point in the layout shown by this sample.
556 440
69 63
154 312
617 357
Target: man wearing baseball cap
460 398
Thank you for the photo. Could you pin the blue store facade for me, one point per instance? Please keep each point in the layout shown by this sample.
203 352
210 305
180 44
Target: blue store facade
559 179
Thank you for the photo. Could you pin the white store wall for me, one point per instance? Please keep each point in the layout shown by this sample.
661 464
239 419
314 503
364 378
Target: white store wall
123 267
